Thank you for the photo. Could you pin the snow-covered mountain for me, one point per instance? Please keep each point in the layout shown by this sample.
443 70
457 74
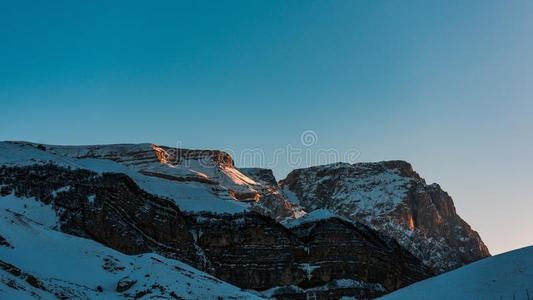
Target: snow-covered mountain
505 276
393 199
135 209
189 195
195 209
205 175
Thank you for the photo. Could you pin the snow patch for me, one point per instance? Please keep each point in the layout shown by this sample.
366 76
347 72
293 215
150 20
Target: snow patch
30 208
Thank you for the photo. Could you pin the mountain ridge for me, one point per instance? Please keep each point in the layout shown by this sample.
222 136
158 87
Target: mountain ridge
226 224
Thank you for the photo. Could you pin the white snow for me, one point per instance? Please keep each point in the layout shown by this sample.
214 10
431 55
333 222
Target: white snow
316 215
30 208
505 276
142 157
291 196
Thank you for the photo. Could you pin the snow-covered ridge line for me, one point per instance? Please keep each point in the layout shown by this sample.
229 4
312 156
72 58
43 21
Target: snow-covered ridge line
152 157
214 169
189 196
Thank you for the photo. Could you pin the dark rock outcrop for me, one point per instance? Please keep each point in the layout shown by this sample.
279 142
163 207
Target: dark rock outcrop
4 242
265 176
125 284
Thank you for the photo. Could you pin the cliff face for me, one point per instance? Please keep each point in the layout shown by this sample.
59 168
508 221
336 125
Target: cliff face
246 249
272 202
393 199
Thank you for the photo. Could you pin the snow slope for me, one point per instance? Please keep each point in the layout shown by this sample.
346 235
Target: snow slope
504 276
37 262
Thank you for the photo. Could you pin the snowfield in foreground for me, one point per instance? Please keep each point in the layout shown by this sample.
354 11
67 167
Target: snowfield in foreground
505 276
37 262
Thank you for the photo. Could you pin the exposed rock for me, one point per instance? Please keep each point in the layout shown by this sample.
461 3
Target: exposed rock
265 176
271 202
29 278
371 257
4 242
112 265
125 284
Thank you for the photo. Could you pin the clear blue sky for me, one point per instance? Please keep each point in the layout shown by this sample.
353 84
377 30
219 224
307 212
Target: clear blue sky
446 85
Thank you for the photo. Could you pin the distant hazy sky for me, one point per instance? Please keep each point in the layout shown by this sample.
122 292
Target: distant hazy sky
446 85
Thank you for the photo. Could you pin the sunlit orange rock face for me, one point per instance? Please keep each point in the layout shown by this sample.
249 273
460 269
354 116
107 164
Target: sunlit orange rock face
410 223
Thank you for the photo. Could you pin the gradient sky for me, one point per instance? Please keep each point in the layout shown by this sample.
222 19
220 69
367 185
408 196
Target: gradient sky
446 85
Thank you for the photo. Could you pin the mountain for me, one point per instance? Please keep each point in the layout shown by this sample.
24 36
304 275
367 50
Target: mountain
504 276
191 207
210 170
393 199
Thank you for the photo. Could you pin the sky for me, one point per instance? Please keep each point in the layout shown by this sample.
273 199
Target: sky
445 85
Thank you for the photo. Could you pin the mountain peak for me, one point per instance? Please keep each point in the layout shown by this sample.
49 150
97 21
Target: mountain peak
392 198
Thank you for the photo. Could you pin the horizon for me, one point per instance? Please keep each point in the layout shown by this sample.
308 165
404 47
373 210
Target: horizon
446 87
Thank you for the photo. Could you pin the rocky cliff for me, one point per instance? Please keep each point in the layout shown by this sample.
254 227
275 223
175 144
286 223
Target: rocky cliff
393 199
246 249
